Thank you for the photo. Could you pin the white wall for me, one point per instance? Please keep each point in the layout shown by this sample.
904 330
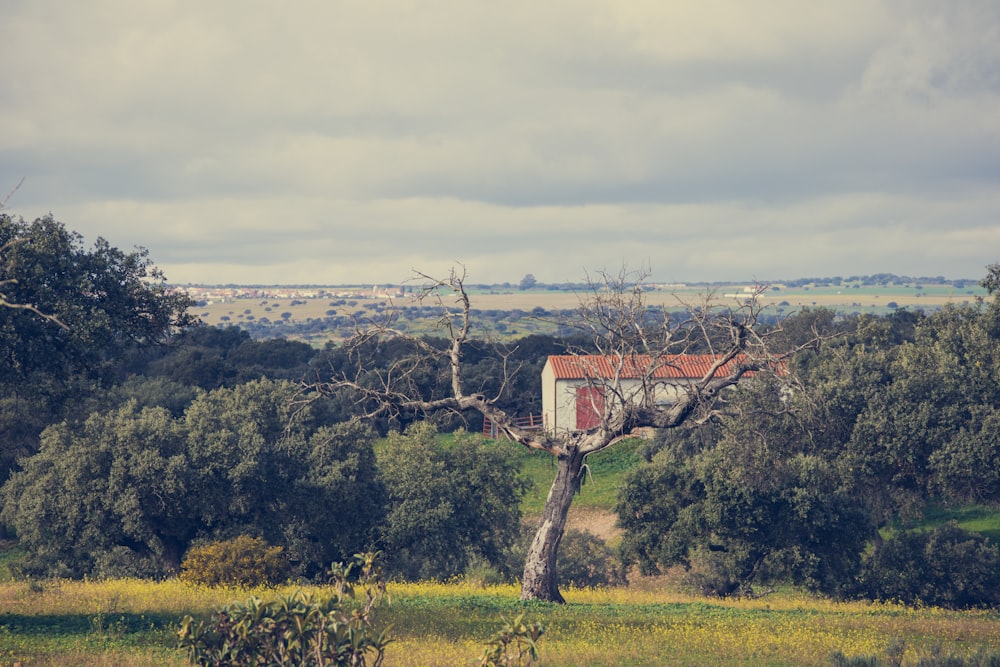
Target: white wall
559 398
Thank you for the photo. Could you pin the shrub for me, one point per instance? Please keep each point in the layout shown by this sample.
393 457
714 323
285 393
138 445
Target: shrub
297 629
241 561
449 502
712 574
515 644
945 567
480 572
585 560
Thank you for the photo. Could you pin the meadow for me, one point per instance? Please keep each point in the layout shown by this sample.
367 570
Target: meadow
132 623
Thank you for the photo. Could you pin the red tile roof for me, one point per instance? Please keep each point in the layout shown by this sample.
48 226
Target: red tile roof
676 366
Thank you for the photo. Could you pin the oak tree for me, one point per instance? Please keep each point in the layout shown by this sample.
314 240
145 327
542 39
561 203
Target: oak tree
73 309
68 314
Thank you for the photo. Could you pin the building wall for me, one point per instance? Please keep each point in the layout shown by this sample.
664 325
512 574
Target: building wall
559 398
549 413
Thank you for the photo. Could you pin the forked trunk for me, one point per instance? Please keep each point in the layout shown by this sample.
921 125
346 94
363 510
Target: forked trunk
540 580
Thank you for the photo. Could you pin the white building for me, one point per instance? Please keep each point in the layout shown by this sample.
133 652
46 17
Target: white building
575 387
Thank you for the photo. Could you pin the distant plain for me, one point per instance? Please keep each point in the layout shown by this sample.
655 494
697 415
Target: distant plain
781 299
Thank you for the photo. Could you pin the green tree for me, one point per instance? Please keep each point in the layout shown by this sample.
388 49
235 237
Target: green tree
266 467
105 301
946 567
70 315
894 413
450 503
129 490
107 497
748 507
213 357
922 432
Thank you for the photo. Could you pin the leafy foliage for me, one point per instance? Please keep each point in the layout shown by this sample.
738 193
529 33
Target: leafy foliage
241 561
586 561
107 299
69 315
891 415
298 629
946 567
449 503
93 501
516 643
127 491
215 357
745 515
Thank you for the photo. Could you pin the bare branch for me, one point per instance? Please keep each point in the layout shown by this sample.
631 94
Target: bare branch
3 202
392 392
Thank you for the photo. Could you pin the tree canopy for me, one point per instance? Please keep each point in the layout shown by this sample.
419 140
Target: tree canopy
893 415
128 490
96 302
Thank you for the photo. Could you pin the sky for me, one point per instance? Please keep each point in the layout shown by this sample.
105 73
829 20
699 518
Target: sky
358 141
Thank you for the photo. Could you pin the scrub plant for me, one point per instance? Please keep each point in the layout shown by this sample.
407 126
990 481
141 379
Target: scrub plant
516 643
298 629
241 561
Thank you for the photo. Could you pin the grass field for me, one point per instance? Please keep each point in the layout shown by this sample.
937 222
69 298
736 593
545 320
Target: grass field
126 622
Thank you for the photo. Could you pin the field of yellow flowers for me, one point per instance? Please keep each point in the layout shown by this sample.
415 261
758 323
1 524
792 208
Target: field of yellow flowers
133 622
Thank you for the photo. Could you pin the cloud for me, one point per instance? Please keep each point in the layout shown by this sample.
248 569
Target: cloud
328 142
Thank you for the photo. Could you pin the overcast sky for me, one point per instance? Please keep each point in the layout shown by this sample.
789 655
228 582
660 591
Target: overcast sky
343 141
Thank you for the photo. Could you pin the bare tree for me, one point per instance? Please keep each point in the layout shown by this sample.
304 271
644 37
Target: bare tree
635 344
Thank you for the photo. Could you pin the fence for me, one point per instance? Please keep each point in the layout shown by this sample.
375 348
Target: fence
529 423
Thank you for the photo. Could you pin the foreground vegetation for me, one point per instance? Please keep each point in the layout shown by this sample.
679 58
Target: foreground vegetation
133 622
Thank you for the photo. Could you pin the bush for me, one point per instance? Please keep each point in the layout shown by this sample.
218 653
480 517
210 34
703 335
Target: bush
453 502
297 629
515 644
480 572
241 561
945 567
713 574
586 561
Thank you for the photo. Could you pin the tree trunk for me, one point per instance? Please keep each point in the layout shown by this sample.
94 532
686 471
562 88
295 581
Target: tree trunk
540 580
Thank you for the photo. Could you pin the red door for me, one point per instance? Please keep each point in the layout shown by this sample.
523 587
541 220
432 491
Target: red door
589 407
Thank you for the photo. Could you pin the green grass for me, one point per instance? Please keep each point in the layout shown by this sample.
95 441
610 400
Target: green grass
605 475
131 622
976 518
